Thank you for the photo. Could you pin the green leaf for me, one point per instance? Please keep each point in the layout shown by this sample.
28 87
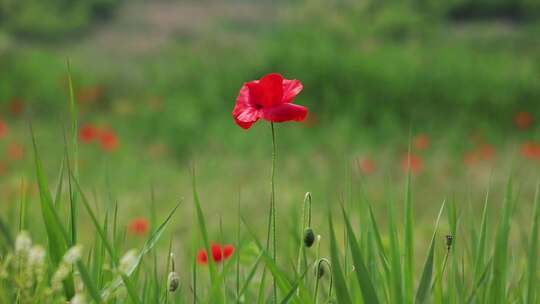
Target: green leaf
532 262
425 280
87 280
339 280
362 275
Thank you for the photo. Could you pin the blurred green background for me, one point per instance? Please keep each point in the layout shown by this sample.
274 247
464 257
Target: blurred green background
163 77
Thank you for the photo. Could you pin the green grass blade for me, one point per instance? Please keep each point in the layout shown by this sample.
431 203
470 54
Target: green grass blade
481 280
131 289
148 245
74 143
88 283
340 284
408 264
97 226
362 275
289 295
481 245
56 235
23 206
425 279
498 282
204 233
532 262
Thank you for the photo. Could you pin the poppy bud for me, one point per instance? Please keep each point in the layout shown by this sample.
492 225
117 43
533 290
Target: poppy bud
309 237
320 271
173 281
449 239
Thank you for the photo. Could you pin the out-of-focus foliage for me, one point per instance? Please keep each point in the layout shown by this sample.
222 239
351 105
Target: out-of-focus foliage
52 18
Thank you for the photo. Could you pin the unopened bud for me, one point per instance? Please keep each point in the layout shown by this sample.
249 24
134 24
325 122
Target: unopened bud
309 237
449 240
173 281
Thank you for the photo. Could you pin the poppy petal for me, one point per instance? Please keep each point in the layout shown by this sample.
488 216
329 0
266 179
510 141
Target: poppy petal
228 250
266 92
291 88
285 112
202 257
215 249
244 113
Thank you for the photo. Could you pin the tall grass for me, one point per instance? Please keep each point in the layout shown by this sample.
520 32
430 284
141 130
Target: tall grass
376 261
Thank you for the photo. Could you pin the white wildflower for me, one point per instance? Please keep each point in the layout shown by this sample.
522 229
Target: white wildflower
73 254
128 260
79 298
61 273
36 256
23 243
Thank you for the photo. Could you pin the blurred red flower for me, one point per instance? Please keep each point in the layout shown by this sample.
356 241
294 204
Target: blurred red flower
109 140
531 150
412 162
90 94
269 98
470 159
138 226
88 133
219 253
3 129
16 106
523 120
15 151
486 151
367 165
421 142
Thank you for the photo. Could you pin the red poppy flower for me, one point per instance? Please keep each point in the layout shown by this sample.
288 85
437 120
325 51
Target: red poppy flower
367 166
421 142
523 120
412 162
138 226
486 151
15 151
219 253
109 141
269 98
88 133
470 159
3 129
531 150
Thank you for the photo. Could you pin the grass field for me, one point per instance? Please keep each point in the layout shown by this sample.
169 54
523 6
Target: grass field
413 178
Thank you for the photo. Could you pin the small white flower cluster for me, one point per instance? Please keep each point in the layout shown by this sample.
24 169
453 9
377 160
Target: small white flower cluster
64 269
128 261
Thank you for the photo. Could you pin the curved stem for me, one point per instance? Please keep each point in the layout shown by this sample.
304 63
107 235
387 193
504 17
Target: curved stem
317 276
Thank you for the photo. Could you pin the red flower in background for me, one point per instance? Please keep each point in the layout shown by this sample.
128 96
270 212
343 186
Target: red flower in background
3 129
523 120
108 140
16 106
15 151
486 151
531 150
470 159
421 142
138 226
367 166
88 133
219 253
412 162
269 98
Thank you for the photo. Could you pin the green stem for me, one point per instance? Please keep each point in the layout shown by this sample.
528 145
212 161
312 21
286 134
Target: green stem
272 215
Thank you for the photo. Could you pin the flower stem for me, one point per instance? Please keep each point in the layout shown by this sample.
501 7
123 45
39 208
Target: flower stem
271 235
